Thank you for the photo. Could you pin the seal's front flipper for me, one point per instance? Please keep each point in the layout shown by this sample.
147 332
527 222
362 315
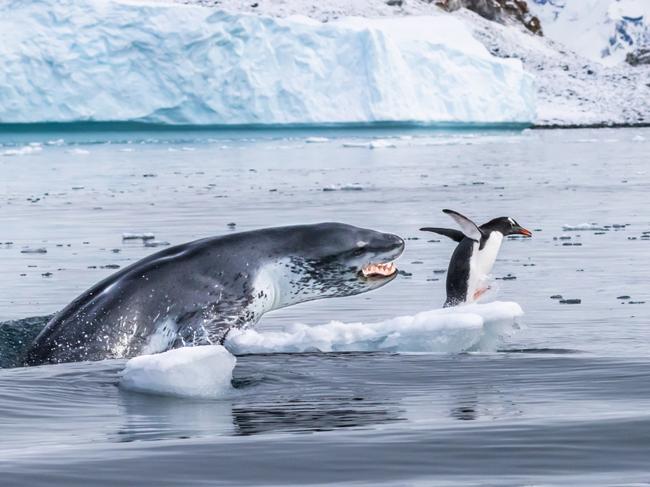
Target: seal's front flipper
455 235
469 228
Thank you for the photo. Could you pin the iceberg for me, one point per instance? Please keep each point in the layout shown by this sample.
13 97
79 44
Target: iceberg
93 60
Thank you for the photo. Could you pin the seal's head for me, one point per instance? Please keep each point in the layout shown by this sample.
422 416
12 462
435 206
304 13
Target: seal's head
335 259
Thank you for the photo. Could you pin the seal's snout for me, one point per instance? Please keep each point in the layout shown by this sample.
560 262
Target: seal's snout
391 244
390 247
396 241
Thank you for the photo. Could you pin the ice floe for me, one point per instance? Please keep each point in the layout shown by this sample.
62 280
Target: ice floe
475 327
200 372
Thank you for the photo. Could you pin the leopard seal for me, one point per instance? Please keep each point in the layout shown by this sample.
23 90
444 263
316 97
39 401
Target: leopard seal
193 293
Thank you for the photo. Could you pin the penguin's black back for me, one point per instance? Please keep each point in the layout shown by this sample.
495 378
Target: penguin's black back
458 273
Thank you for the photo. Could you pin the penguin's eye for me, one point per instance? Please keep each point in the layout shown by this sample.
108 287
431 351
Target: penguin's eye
359 251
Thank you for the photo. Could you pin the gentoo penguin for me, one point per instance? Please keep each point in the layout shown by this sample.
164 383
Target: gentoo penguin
472 261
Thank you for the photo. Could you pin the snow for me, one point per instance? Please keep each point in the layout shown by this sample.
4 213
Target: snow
571 90
474 327
600 30
199 372
72 60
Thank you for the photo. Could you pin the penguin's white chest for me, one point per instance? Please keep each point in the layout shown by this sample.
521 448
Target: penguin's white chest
482 262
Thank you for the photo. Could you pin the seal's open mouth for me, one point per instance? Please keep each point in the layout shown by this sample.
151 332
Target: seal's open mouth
378 270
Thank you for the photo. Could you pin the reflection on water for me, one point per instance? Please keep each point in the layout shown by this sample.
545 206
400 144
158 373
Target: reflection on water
149 418
415 415
274 402
466 411
327 415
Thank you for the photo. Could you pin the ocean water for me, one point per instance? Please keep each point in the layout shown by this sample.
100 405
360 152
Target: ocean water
563 400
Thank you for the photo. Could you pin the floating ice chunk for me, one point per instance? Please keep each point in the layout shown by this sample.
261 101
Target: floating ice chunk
638 138
78 152
382 144
155 243
316 140
344 187
373 144
582 227
138 236
351 187
32 250
22 151
475 327
201 372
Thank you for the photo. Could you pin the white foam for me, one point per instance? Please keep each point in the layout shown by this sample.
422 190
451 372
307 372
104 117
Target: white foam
372 144
22 151
200 372
79 152
344 187
475 327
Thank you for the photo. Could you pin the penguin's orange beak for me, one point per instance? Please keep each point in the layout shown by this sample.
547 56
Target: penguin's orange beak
524 232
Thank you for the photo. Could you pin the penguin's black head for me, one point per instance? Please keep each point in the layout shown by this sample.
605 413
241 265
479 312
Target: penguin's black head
506 226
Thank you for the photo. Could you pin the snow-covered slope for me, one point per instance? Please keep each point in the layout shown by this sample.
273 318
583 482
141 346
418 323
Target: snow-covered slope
571 90
71 60
600 30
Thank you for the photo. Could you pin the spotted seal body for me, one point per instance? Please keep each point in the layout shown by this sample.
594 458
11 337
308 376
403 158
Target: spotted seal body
195 292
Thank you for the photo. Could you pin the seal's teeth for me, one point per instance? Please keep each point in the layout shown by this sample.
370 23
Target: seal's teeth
381 269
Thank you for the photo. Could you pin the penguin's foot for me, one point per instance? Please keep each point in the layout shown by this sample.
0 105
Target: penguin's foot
481 292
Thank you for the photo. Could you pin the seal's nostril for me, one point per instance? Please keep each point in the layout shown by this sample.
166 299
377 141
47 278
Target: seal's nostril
398 241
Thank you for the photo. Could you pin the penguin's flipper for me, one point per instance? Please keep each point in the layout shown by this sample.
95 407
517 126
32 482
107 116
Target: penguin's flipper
455 235
469 228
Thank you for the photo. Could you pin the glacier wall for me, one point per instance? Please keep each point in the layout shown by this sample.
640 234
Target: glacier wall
94 60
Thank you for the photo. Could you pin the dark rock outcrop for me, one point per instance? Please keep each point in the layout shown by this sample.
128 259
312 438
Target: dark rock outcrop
501 11
640 56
